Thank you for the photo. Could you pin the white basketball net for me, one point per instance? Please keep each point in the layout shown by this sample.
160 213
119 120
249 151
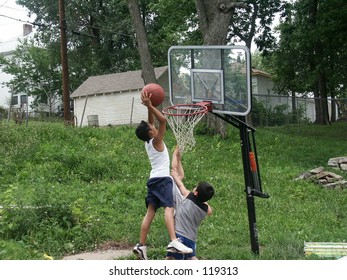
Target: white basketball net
182 120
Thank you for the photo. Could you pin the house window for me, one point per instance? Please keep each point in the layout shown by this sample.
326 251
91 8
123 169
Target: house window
14 100
23 99
43 99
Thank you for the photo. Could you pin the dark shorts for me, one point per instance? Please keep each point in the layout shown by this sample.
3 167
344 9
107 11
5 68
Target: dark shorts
189 243
159 192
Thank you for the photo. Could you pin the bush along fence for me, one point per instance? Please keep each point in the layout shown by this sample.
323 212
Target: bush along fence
276 110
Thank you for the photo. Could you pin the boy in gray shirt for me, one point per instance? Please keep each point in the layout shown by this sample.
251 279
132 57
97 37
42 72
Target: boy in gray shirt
191 208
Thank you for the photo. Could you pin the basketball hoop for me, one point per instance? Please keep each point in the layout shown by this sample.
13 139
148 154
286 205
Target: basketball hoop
182 118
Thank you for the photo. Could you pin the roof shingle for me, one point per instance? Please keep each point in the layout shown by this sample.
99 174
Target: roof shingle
118 82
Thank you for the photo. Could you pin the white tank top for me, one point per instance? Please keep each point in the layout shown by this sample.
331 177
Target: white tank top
160 161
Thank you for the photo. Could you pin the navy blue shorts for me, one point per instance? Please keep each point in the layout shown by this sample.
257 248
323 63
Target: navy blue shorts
189 243
159 192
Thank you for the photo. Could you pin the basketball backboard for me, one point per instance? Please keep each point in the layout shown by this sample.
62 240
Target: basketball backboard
217 74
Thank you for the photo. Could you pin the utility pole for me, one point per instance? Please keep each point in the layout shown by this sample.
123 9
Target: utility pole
64 62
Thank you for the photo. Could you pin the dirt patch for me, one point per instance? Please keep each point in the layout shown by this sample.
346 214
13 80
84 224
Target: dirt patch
100 255
110 250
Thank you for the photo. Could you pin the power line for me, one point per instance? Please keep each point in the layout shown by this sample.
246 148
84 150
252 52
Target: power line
25 21
12 8
45 25
68 29
4 4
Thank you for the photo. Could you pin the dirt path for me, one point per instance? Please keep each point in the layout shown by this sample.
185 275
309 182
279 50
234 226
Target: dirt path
111 254
108 251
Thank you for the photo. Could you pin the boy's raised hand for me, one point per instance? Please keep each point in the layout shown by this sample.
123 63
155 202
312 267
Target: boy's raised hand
146 98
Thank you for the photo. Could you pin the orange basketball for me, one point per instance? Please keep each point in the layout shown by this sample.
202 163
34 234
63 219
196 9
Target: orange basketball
157 92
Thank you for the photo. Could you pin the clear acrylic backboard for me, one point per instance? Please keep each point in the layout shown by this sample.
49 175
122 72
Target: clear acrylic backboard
217 74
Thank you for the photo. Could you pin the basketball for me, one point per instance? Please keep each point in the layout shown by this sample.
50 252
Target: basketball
157 92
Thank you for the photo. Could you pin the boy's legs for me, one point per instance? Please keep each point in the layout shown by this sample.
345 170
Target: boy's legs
170 225
146 223
141 249
160 194
169 222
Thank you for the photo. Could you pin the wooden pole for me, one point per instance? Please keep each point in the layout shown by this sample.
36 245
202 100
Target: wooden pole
84 109
64 62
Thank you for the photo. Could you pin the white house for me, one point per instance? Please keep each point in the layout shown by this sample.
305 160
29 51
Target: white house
114 99
19 102
263 91
7 97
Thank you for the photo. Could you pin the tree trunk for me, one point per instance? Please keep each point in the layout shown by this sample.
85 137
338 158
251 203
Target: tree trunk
318 106
148 74
294 109
322 114
323 92
333 108
214 20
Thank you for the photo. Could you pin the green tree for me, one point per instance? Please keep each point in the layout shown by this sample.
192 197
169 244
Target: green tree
99 38
310 56
255 23
167 25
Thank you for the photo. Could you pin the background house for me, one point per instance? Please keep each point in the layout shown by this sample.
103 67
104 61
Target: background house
262 83
263 92
19 102
7 97
114 99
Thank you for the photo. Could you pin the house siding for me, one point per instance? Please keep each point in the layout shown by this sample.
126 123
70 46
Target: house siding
262 85
111 109
112 105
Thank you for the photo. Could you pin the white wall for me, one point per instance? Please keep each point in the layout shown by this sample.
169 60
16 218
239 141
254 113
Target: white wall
5 96
5 92
262 85
111 109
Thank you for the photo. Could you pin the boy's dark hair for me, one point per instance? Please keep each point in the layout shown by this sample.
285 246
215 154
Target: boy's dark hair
142 131
205 191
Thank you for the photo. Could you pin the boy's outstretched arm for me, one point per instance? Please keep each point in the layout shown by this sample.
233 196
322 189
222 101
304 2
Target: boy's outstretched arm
177 171
176 163
153 112
179 183
150 117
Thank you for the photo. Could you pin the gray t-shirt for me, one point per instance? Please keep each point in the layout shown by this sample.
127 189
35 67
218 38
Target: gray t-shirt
189 213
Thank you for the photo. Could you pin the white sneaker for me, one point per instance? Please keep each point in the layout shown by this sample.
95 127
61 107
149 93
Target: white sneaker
178 247
141 251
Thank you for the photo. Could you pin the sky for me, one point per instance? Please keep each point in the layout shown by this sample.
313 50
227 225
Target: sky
12 18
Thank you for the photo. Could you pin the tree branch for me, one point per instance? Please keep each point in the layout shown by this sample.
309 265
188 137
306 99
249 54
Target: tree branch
226 8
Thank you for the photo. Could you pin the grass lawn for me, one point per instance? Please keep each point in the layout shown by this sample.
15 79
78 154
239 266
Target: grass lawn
65 190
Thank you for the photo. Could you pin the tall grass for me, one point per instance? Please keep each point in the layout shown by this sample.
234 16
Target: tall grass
64 190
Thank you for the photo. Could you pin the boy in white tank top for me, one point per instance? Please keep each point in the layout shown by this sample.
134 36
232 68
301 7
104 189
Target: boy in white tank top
159 184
